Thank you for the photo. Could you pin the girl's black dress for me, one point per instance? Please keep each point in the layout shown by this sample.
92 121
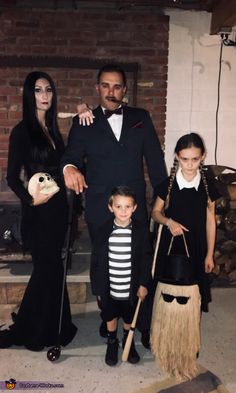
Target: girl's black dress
188 207
43 232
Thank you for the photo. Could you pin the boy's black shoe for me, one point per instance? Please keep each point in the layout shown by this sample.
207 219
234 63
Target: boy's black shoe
111 357
145 339
103 329
133 354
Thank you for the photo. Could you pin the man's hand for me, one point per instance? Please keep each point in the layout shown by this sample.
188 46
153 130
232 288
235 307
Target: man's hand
74 179
85 114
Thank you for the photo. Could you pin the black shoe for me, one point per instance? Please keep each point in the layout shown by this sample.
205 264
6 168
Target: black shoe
34 347
145 339
103 329
111 357
6 338
133 354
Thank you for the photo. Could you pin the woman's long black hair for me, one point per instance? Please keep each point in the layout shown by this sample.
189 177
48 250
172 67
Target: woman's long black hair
40 146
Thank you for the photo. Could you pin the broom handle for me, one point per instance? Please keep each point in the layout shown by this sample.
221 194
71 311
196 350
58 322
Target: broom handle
130 336
185 244
133 324
156 249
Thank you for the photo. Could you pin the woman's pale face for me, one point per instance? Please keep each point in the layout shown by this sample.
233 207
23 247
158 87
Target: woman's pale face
43 95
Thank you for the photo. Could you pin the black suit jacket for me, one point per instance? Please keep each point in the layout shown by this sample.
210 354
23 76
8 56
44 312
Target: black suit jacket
111 163
141 260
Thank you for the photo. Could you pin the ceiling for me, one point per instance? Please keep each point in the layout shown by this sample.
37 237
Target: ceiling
223 11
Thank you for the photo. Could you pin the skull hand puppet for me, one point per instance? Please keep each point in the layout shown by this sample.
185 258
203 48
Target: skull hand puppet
47 184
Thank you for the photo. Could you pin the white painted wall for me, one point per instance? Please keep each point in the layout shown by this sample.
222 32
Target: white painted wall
192 87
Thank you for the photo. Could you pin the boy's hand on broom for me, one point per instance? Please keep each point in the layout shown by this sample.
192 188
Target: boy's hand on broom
142 292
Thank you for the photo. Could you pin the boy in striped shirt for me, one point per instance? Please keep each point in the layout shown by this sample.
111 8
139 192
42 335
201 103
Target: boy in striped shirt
120 269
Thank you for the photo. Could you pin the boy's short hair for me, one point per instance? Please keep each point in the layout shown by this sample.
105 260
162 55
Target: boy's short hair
122 191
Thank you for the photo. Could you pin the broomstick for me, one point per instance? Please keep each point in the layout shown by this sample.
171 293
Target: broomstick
130 336
129 339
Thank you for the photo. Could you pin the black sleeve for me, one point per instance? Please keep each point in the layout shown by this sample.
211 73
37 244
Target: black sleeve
213 192
146 260
97 264
162 189
153 154
18 153
94 272
75 149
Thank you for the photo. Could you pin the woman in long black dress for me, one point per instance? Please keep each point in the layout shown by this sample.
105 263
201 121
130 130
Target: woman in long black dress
36 146
186 204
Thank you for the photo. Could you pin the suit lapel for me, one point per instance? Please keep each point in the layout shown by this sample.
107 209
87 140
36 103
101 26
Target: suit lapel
128 121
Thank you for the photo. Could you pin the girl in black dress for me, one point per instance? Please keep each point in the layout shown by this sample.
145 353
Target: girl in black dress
186 204
35 146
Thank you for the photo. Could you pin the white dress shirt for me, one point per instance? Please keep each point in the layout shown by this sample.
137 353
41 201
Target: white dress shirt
115 122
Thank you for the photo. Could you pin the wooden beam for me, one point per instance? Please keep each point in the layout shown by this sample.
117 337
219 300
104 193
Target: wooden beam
223 15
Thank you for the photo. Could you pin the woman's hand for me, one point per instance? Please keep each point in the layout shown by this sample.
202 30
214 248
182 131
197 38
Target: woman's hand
176 228
142 292
85 114
39 198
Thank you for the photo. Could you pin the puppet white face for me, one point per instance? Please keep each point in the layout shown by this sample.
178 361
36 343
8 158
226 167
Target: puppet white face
47 184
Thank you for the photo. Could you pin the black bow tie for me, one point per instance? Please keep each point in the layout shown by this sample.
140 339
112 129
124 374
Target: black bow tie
109 113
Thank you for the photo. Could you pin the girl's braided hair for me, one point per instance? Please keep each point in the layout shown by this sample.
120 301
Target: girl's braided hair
186 141
172 178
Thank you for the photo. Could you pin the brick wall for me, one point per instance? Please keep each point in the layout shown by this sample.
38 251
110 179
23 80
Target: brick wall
124 36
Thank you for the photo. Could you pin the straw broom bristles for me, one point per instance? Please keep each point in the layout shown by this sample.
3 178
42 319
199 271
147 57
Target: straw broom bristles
175 330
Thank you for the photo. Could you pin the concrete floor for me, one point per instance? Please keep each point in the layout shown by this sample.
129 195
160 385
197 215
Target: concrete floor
81 366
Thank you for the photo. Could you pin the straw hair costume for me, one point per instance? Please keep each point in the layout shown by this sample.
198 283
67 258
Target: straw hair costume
175 329
175 332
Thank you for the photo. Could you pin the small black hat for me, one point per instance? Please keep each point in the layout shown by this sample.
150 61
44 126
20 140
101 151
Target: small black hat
178 270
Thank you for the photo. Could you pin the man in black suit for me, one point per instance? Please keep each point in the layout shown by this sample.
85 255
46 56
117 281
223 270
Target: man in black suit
113 148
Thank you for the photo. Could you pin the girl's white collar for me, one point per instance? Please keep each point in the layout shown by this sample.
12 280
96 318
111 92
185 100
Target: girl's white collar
183 183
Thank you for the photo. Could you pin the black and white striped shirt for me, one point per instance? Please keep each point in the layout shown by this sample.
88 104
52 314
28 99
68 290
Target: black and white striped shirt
119 254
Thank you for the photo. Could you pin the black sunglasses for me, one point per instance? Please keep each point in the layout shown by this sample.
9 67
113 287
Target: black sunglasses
169 298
